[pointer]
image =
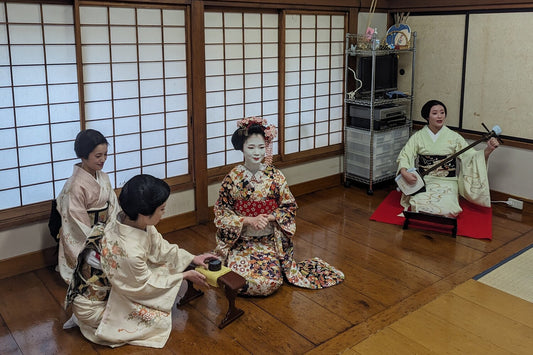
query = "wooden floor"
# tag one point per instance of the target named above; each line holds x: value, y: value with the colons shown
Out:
x: 390, y: 274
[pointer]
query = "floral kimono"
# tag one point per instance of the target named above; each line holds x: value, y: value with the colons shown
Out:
x: 264, y: 257
x: 444, y: 184
x: 145, y: 273
x: 83, y: 203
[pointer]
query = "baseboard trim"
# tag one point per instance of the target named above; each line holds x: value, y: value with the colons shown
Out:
x: 28, y: 262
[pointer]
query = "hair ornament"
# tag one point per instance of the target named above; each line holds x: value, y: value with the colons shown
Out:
x: 269, y: 130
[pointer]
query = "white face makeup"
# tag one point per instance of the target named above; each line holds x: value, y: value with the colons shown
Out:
x: 254, y: 152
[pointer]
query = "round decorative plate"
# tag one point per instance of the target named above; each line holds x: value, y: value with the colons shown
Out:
x: 398, y: 35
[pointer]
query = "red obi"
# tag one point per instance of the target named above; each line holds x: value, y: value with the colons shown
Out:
x: 255, y: 208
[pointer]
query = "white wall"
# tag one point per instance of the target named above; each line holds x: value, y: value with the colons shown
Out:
x: 511, y: 171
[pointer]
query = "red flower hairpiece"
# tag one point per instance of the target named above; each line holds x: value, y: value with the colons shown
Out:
x: 269, y: 130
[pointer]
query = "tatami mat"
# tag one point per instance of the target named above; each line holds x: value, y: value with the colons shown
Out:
x: 513, y: 275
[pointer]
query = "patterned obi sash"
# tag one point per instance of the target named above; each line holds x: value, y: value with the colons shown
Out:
x: 427, y: 161
x: 98, y: 215
x: 255, y: 208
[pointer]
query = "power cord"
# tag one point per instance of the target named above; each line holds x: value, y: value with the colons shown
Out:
x: 351, y: 94
x: 511, y: 202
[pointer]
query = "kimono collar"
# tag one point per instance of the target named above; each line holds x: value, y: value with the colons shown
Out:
x: 79, y: 170
x: 434, y: 136
x: 248, y: 175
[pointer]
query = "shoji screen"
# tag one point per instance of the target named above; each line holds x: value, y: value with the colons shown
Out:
x: 313, y: 81
x: 241, y: 53
x: 39, y: 113
x: 135, y: 85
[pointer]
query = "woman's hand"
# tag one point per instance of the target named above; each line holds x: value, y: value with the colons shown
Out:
x: 195, y: 277
x: 258, y: 222
x: 409, y: 178
x: 201, y: 259
x: 492, y: 144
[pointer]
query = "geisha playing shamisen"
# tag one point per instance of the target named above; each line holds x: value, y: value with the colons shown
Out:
x: 255, y: 219
x: 432, y: 144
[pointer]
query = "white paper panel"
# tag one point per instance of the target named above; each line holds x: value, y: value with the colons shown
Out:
x: 30, y: 95
x: 9, y: 159
x: 57, y: 14
x: 154, y: 156
x: 126, y: 125
x: 152, y: 87
x: 93, y: 15
x: 177, y: 135
x: 64, y: 112
x: 148, y: 16
x: 177, y: 151
x: 31, y: 115
x: 95, y: 54
x: 153, y: 139
x: 38, y: 154
x: 215, y: 145
x: 62, y: 93
x: 29, y: 13
x: 174, y: 17
x: 125, y: 89
x: 38, y: 193
x: 94, y: 34
x: 152, y: 105
x: 122, y: 34
x: 27, y: 54
x: 62, y: 74
x: 121, y: 16
x: 29, y: 75
x: 65, y: 131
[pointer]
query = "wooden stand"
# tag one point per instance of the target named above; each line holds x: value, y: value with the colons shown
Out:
x: 431, y: 218
x: 232, y: 283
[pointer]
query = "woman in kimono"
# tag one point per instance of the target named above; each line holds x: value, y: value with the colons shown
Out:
x: 432, y: 144
x: 145, y: 273
x: 255, y: 219
x: 86, y: 201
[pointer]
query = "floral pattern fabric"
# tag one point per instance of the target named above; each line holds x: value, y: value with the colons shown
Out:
x: 145, y: 273
x: 264, y: 259
x: 84, y: 202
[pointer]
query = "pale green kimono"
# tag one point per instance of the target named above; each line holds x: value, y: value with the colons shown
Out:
x: 445, y: 184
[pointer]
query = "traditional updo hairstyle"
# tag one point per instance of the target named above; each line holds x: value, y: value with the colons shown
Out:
x: 143, y: 194
x: 240, y: 135
x: 86, y: 141
x: 426, y: 109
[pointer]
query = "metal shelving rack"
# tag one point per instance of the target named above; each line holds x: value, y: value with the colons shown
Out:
x: 372, y: 102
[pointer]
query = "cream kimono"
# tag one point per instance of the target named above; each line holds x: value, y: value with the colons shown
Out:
x: 264, y: 257
x: 145, y: 273
x: 444, y: 184
x: 83, y: 203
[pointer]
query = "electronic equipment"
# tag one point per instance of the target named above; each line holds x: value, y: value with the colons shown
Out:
x: 386, y: 116
x: 385, y: 74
